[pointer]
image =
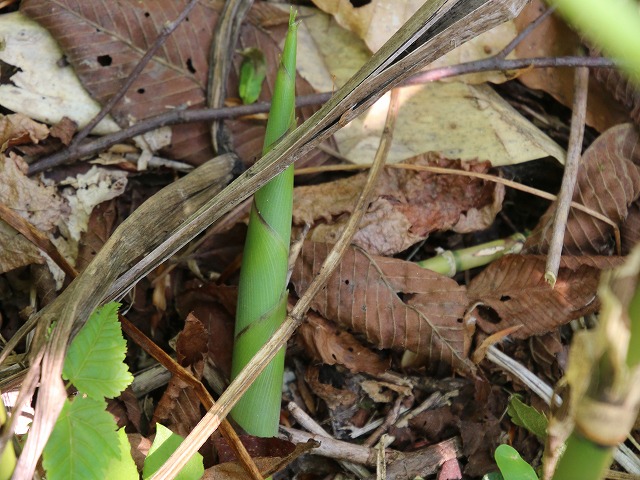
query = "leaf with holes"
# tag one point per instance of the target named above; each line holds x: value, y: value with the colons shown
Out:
x: 512, y: 291
x: 104, y: 41
x: 394, y: 303
x: 609, y: 183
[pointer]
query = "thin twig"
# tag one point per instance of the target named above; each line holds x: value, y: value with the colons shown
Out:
x: 389, y: 420
x: 312, y: 426
x: 211, y: 420
x: 203, y: 395
x: 159, y: 41
x: 525, y: 33
x: 570, y: 175
x: 179, y: 116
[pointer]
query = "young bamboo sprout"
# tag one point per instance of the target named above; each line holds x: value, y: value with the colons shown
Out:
x: 262, y: 294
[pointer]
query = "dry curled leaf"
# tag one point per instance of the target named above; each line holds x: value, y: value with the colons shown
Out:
x: 179, y: 407
x: 331, y: 344
x: 512, y: 291
x: 18, y: 129
x: 609, y: 183
x: 393, y: 303
x: 406, y: 207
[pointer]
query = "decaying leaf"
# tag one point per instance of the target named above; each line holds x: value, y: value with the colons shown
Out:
x: 270, y: 455
x: 513, y: 291
x: 407, y: 206
x: 329, y: 343
x: 17, y: 129
x: 83, y: 193
x: 38, y: 204
x: 393, y: 303
x: 609, y: 183
x: 553, y: 38
x: 179, y: 407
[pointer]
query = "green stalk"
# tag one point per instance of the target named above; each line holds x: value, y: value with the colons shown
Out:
x: 613, y: 377
x: 612, y: 26
x: 450, y: 262
x: 8, y: 456
x: 262, y: 294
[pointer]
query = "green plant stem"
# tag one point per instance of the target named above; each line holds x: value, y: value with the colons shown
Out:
x: 262, y: 295
x: 8, y: 456
x: 583, y: 459
x: 613, y: 26
x: 451, y: 262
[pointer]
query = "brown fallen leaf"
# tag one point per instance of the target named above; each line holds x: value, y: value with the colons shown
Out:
x: 407, y: 206
x: 18, y: 129
x: 109, y: 38
x: 512, y: 291
x: 553, y: 38
x: 270, y: 455
x: 179, y: 407
x: 393, y: 303
x: 609, y: 183
x: 330, y: 344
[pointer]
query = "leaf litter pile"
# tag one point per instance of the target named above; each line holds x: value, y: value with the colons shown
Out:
x: 391, y: 352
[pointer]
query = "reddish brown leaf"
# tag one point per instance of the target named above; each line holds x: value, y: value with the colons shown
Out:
x: 609, y: 183
x: 99, y: 229
x: 330, y: 344
x: 363, y: 295
x: 512, y: 291
x: 335, y: 397
x: 270, y: 455
x: 179, y: 407
x: 407, y: 205
x: 105, y: 40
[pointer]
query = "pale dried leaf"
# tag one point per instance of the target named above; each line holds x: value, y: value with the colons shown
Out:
x: 407, y: 206
x: 512, y: 291
x: 609, y: 183
x: 458, y: 120
x: 363, y: 295
x: 41, y: 88
x: 38, y: 204
x: 15, y: 250
x: 18, y: 129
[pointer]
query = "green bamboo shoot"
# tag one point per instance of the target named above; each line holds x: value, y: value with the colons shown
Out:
x: 262, y: 294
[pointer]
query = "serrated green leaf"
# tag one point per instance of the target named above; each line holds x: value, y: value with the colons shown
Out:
x: 123, y: 468
x: 511, y: 464
x: 252, y: 73
x: 528, y: 417
x: 83, y: 441
x: 95, y: 359
x: 163, y: 446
